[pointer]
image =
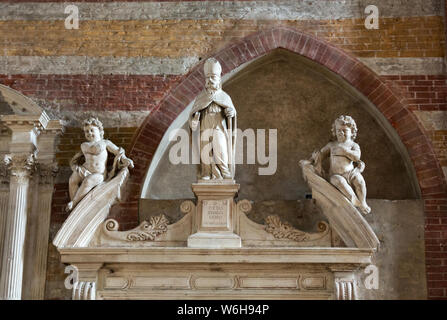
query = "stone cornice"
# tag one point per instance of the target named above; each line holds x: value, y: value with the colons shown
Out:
x: 345, y: 256
x: 17, y: 122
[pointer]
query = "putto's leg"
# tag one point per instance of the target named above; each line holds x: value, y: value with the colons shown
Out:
x: 88, y: 184
x: 360, y: 189
x: 73, y: 184
x: 341, y: 184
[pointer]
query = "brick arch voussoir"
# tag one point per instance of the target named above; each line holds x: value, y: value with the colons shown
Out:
x: 387, y: 100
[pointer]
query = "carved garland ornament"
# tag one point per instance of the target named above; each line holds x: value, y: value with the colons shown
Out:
x: 284, y: 230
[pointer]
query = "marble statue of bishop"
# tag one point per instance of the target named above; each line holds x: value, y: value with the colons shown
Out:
x: 214, y: 114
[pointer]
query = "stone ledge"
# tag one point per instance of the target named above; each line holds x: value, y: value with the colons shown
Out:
x: 239, y: 255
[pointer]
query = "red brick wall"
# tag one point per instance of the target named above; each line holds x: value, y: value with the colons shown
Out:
x: 94, y: 92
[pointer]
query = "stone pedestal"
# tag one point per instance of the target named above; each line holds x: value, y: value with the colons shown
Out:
x: 214, y: 218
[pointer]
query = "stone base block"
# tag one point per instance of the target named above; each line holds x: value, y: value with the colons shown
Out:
x: 214, y: 240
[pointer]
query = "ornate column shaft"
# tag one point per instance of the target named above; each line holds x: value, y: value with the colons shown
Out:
x: 37, y: 246
x: 21, y: 166
x: 38, y: 226
x: 4, y: 200
x: 345, y: 286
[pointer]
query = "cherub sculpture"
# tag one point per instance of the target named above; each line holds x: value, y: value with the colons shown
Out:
x: 93, y: 171
x: 346, y: 168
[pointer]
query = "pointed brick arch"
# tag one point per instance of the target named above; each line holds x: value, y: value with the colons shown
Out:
x: 389, y: 102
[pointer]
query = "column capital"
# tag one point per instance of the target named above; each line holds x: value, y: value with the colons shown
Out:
x: 47, y: 172
x: 4, y: 172
x: 20, y: 165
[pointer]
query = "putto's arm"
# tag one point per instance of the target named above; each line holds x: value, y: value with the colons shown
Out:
x: 74, y: 162
x: 325, y: 151
x: 120, y: 160
x: 353, y: 153
x: 318, y: 156
x: 113, y: 148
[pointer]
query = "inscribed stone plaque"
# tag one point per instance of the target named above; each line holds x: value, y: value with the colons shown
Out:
x: 215, y: 213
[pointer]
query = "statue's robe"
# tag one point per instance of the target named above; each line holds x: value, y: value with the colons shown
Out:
x: 205, y: 103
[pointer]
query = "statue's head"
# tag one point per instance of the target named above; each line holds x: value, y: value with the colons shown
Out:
x: 344, y: 128
x: 213, y: 71
x: 93, y: 129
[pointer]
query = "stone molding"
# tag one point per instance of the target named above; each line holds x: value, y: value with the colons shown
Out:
x: 79, y: 228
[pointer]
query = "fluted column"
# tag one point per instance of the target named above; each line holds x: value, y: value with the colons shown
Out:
x: 21, y: 166
x: 38, y: 246
x: 4, y: 199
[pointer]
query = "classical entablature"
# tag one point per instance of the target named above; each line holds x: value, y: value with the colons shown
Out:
x: 216, y: 251
x: 27, y: 169
x: 161, y: 260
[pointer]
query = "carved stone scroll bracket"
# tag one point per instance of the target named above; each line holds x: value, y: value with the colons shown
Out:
x: 86, y: 218
x: 157, y: 232
x: 188, y: 208
x: 284, y: 230
x: 343, y: 217
x: 276, y: 232
x: 146, y: 231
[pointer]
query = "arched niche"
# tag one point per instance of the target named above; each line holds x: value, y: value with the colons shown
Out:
x: 300, y: 98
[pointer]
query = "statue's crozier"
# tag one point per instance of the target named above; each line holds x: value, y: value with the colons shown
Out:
x: 214, y: 114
